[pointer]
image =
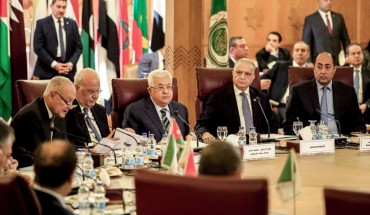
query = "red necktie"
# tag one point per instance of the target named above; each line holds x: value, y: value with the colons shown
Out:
x: 328, y: 23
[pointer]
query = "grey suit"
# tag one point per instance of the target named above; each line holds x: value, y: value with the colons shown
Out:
x: 148, y: 63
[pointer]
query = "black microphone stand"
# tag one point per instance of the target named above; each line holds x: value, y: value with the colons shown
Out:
x: 176, y: 113
x: 258, y: 100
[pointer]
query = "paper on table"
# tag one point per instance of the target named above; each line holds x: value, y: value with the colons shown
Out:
x: 306, y: 133
x: 201, y: 144
x: 126, y: 136
x: 115, y: 144
x: 233, y: 139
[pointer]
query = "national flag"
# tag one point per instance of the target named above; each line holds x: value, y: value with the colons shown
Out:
x: 289, y: 183
x: 186, y: 161
x: 123, y: 36
x: 5, y: 69
x: 140, y: 42
x: 87, y: 35
x: 159, y: 27
x: 218, y: 36
x: 18, y: 55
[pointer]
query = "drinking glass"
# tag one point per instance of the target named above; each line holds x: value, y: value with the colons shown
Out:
x: 222, y: 132
x: 297, y: 126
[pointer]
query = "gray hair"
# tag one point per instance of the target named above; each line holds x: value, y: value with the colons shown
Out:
x: 5, y: 132
x: 57, y: 84
x: 245, y: 60
x: 158, y: 73
x: 80, y: 76
x: 303, y: 43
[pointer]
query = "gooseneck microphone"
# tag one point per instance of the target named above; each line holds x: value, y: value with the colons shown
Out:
x: 329, y: 117
x: 258, y: 100
x: 54, y: 129
x: 176, y: 113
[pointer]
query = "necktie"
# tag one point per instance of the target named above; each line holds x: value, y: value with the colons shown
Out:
x: 165, y: 121
x: 248, y: 119
x: 91, y: 125
x: 61, y: 41
x: 328, y: 23
x: 324, y: 105
x: 357, y: 82
x: 51, y: 126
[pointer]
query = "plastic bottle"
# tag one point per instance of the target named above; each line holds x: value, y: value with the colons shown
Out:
x: 151, y: 146
x: 252, y: 136
x: 144, y: 143
x: 163, y: 143
x: 139, y: 156
x: 88, y: 165
x: 100, y: 200
x: 128, y: 161
x: 83, y: 199
x: 241, y: 135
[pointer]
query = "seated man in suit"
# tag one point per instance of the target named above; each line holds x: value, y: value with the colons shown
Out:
x: 150, y: 62
x: 333, y: 99
x: 88, y: 119
x: 238, y: 49
x: 276, y: 79
x: 220, y: 159
x: 33, y: 122
x: 54, y: 167
x: 272, y: 52
x: 235, y: 105
x: 152, y: 114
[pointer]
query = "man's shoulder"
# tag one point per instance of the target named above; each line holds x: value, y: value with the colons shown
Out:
x: 139, y: 103
x: 262, y: 51
x: 30, y: 110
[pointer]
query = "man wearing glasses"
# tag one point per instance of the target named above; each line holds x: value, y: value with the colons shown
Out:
x: 88, y: 119
x: 33, y: 122
x: 235, y: 105
x: 152, y: 114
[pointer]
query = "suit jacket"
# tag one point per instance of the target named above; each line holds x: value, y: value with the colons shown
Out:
x: 221, y: 110
x: 231, y: 63
x: 148, y: 63
x: 264, y: 58
x: 143, y: 117
x: 77, y: 126
x: 304, y: 101
x: 32, y: 127
x: 317, y: 36
x: 279, y: 76
x: 51, y: 205
x: 46, y: 45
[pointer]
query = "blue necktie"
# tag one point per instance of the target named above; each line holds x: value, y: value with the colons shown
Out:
x: 248, y: 119
x: 324, y: 105
x: 61, y: 42
x: 91, y: 125
x: 357, y: 82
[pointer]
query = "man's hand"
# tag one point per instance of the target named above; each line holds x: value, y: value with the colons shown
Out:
x: 208, y: 137
x: 62, y: 68
x: 269, y: 48
x: 363, y: 108
x: 265, y: 84
x: 130, y: 130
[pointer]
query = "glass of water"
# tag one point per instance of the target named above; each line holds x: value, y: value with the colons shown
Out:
x: 222, y: 132
x: 297, y: 126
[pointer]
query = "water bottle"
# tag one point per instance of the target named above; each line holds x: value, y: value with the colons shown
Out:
x: 252, y: 136
x: 163, y: 143
x: 144, y: 143
x: 100, y: 200
x: 88, y: 165
x: 139, y: 156
x: 151, y: 146
x: 241, y: 135
x: 128, y: 160
x: 83, y: 199
x: 80, y: 154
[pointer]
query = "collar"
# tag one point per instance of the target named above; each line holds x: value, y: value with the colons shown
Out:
x: 232, y: 58
x: 238, y: 91
x: 50, y: 114
x: 159, y: 108
x: 330, y: 85
x: 297, y: 65
x: 58, y: 196
x: 358, y: 68
x: 56, y: 20
x: 323, y: 14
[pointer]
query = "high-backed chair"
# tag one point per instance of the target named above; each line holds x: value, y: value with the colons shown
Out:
x: 300, y: 74
x: 210, y: 80
x: 341, y: 202
x: 29, y: 90
x: 127, y: 91
x: 184, y: 195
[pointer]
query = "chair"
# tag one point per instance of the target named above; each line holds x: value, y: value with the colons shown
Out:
x: 300, y: 74
x: 163, y: 194
x: 338, y: 202
x: 210, y: 80
x: 127, y: 91
x: 17, y: 197
x: 29, y: 90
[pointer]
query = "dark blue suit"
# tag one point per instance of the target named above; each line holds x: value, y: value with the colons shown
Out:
x: 51, y: 205
x: 148, y: 63
x: 264, y: 58
x: 46, y: 45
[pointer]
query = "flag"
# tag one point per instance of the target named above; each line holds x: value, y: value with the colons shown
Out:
x: 140, y: 43
x: 158, y: 29
x: 18, y: 55
x: 5, y: 75
x: 87, y: 35
x: 218, y: 36
x: 186, y: 161
x: 289, y: 183
x: 123, y: 36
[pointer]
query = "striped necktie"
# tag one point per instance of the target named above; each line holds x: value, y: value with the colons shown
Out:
x: 91, y: 125
x: 165, y: 121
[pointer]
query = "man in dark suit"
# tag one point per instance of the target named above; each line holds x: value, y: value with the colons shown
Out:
x: 57, y: 44
x: 150, y: 62
x: 325, y: 31
x: 229, y: 105
x: 33, y: 122
x: 54, y: 167
x: 152, y: 114
x: 238, y: 49
x: 272, y: 52
x: 88, y: 119
x: 333, y: 98
x: 361, y: 78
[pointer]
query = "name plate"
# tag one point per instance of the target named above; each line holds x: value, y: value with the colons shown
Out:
x: 310, y: 147
x: 365, y: 144
x: 259, y: 151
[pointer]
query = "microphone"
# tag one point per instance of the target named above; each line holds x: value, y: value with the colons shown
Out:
x: 336, y: 121
x: 258, y: 100
x: 176, y: 113
x: 82, y: 171
x: 85, y: 140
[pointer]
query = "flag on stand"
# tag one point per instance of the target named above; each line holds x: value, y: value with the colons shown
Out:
x: 289, y: 183
x: 159, y: 27
x: 218, y: 36
x: 73, y: 13
x: 87, y: 35
x: 5, y: 75
x: 186, y: 161
x: 140, y: 42
x: 123, y: 36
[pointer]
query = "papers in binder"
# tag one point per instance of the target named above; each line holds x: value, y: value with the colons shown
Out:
x: 115, y: 144
x: 126, y: 136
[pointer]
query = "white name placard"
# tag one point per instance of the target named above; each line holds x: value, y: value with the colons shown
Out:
x: 365, y: 144
x: 310, y: 147
x: 259, y: 151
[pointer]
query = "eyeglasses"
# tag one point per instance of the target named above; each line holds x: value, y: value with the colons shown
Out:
x: 91, y: 92
x: 247, y: 74
x: 162, y: 88
x: 68, y: 103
